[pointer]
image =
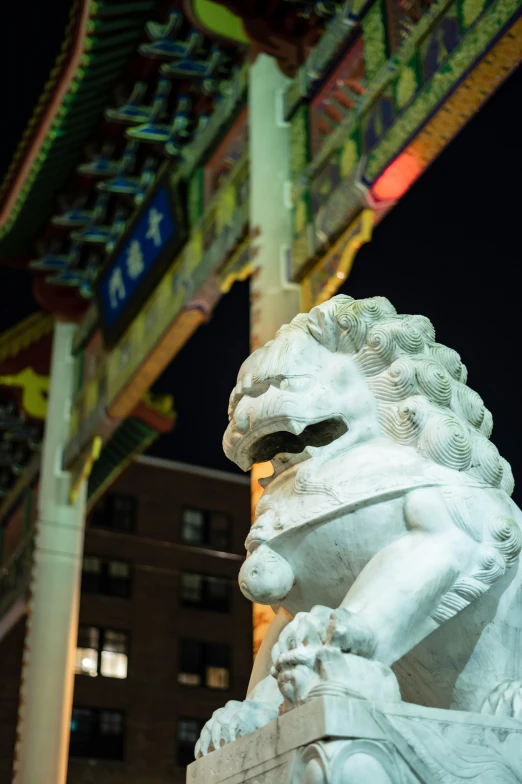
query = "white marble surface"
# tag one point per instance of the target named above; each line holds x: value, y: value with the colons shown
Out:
x: 386, y: 537
x: 340, y: 740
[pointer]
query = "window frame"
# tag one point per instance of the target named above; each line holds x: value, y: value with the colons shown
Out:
x: 102, y: 633
x: 207, y: 528
x: 204, y: 603
x: 205, y: 664
x: 95, y: 735
x: 103, y: 513
x: 201, y: 722
x: 104, y: 578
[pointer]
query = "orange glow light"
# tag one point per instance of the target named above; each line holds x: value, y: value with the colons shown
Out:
x: 397, y: 178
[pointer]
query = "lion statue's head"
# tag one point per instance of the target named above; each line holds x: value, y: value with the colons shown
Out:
x: 351, y: 371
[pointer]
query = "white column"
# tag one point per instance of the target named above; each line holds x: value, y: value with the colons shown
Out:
x: 273, y: 300
x: 46, y: 691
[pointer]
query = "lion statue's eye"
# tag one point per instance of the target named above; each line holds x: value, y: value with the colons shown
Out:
x: 295, y: 383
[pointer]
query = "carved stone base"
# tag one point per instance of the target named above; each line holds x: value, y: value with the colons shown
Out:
x: 343, y: 740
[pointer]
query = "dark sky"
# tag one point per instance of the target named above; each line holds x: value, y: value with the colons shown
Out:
x: 31, y: 36
x: 450, y: 250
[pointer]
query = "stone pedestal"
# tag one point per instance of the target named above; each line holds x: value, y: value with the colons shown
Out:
x: 344, y: 740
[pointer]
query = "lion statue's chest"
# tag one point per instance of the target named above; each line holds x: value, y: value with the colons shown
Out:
x: 327, y: 557
x: 328, y: 521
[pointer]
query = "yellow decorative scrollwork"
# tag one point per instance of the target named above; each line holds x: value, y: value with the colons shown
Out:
x: 333, y: 269
x: 35, y: 389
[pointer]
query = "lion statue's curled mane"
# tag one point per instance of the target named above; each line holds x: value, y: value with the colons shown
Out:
x: 419, y: 385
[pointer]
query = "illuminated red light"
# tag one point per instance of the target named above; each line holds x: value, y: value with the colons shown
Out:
x: 396, y: 178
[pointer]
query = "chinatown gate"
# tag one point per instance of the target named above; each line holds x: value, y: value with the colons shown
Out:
x: 178, y: 148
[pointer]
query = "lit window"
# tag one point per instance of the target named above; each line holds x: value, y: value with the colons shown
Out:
x: 217, y: 677
x: 206, y: 528
x: 189, y: 731
x: 87, y: 651
x: 217, y: 666
x: 192, y: 663
x: 97, y: 734
x: 114, y: 657
x: 189, y: 679
x: 204, y: 664
x: 101, y: 652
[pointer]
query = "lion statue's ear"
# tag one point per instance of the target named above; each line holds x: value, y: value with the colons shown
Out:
x: 322, y: 324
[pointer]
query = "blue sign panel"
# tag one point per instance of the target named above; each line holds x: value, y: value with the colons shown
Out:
x: 138, y: 263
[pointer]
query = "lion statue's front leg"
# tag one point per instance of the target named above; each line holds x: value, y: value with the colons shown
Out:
x: 389, y: 608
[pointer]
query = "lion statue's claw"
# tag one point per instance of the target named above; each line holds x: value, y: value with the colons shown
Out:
x: 233, y: 721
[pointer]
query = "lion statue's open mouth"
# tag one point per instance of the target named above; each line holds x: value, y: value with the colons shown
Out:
x: 318, y: 434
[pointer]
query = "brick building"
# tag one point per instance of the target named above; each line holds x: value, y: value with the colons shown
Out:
x: 165, y: 636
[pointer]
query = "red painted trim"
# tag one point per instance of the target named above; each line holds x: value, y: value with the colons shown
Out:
x: 154, y: 419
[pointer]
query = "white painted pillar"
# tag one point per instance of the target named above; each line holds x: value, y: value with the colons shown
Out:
x: 273, y: 301
x: 46, y: 691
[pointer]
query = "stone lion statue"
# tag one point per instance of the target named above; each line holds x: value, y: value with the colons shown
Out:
x: 386, y: 536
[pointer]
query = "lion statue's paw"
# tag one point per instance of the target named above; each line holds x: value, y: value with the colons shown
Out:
x: 330, y: 650
x: 233, y: 721
x: 323, y: 626
x: 505, y: 700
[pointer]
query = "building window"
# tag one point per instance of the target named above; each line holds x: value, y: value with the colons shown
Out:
x: 219, y: 530
x: 111, y: 578
x: 98, y: 734
x: 204, y: 528
x: 114, y: 655
x: 102, y: 652
x: 116, y: 512
x: 204, y: 664
x: 205, y: 592
x: 194, y: 526
x: 87, y: 651
x: 189, y: 731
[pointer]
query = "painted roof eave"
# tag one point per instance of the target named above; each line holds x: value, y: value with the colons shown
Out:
x: 57, y: 87
x: 50, y: 148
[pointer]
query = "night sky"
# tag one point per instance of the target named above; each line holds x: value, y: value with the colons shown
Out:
x: 450, y: 250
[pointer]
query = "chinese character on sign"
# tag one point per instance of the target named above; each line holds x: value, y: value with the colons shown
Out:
x: 153, y: 232
x: 116, y: 287
x: 135, y: 260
